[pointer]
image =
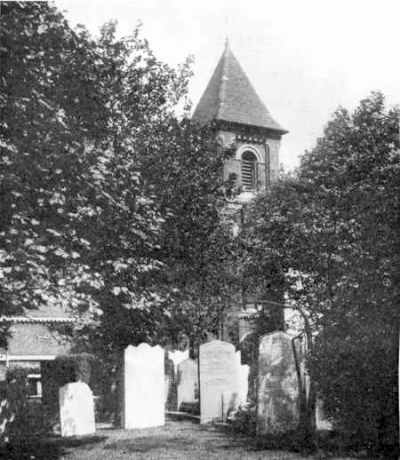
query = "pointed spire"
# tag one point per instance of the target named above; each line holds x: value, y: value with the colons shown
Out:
x: 226, y: 44
x: 230, y: 97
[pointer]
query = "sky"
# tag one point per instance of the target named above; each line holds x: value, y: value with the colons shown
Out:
x: 304, y: 58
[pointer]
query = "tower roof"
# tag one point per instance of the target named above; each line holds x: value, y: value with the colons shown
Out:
x: 230, y: 97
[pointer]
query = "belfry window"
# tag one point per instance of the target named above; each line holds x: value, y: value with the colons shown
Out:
x: 249, y: 170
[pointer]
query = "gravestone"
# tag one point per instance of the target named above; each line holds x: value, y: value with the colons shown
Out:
x: 188, y: 382
x: 278, y: 393
x: 321, y: 421
x: 76, y: 410
x: 219, y: 376
x: 243, y: 380
x: 144, y: 386
x: 170, y: 384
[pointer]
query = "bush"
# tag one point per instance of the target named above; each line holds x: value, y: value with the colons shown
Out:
x: 357, y: 379
x: 244, y: 419
x: 73, y: 368
x: 57, y: 373
x: 19, y: 416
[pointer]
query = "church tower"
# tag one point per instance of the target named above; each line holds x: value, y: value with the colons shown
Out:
x: 245, y: 126
x: 242, y: 121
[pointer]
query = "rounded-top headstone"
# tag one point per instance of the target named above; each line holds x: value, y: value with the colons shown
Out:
x: 76, y: 410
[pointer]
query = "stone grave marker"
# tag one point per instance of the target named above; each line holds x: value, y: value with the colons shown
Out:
x: 188, y: 382
x: 76, y: 410
x: 218, y: 380
x: 170, y: 384
x: 243, y: 380
x: 278, y: 393
x: 321, y: 421
x: 144, y: 386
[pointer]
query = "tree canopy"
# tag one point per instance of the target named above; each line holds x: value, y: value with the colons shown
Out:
x: 110, y: 195
x: 330, y: 232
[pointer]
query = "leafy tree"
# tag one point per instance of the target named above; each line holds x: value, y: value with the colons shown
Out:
x: 331, y: 230
x: 109, y: 200
x: 76, y: 226
x: 49, y: 105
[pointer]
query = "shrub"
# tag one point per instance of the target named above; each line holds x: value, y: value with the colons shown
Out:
x: 357, y: 379
x: 57, y: 373
x: 244, y: 419
x: 19, y: 416
x: 73, y: 368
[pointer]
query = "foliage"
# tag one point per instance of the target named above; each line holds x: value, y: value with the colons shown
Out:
x: 184, y: 250
x: 73, y: 368
x: 331, y: 231
x: 49, y: 105
x: 244, y: 420
x: 19, y: 416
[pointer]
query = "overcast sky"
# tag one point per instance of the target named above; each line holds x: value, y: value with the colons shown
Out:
x: 304, y: 58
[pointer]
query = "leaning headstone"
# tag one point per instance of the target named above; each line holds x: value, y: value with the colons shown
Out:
x: 278, y: 393
x: 144, y: 386
x: 218, y: 380
x: 76, y: 410
x: 188, y: 382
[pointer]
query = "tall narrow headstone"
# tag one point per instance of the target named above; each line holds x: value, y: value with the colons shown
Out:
x: 170, y: 384
x: 188, y: 382
x: 219, y: 378
x: 76, y: 410
x: 243, y: 380
x: 144, y: 386
x: 278, y: 393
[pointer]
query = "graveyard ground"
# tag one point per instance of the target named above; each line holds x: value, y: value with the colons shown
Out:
x: 177, y: 440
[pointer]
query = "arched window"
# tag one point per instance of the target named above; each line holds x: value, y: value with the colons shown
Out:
x: 249, y: 170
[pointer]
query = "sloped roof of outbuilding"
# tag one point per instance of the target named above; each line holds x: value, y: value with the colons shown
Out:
x: 230, y: 97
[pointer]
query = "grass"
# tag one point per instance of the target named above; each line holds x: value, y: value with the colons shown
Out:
x: 177, y: 440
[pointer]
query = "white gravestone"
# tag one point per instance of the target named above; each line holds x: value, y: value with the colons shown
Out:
x: 76, y: 410
x: 218, y: 380
x: 243, y: 380
x: 188, y: 382
x: 144, y: 386
x: 278, y: 393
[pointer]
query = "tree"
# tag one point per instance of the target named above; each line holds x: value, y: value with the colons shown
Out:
x: 76, y: 226
x: 145, y: 203
x: 49, y: 106
x: 331, y: 230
